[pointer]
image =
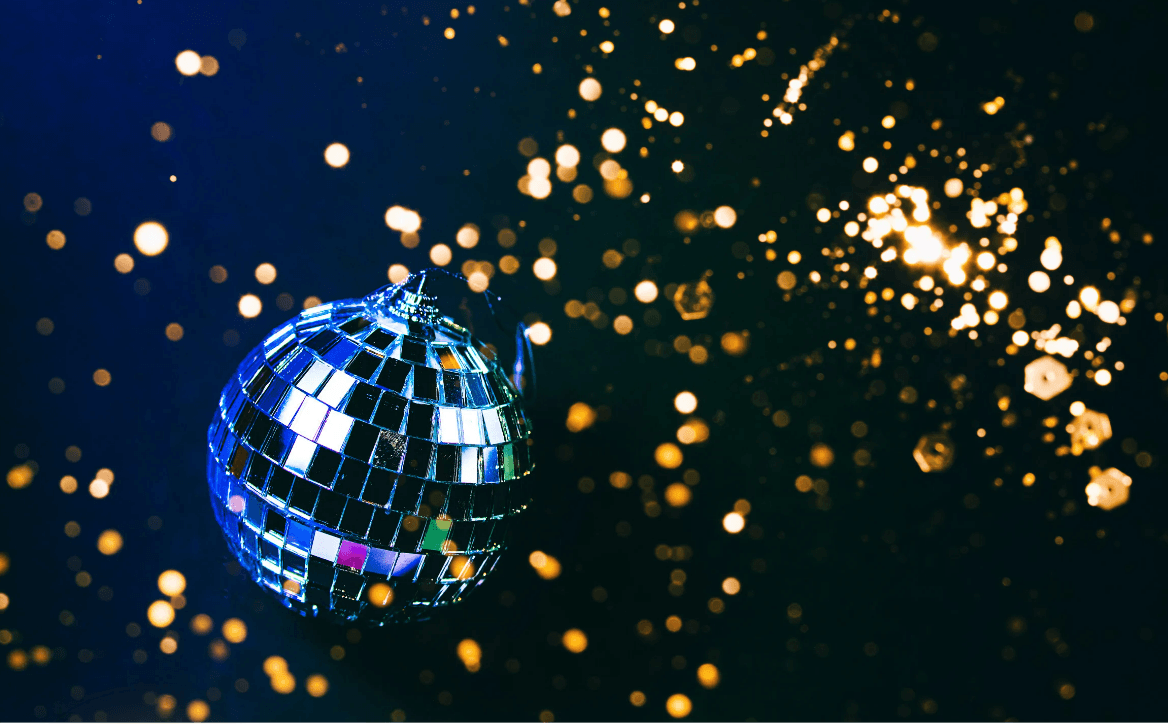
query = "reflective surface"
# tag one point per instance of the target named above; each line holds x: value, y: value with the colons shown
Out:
x: 364, y: 442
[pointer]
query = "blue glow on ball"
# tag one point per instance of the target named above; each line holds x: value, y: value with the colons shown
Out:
x: 369, y: 441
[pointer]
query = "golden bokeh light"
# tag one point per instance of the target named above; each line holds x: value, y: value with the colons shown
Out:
x: 234, y: 630
x: 685, y: 402
x: 575, y: 640
x: 160, y: 614
x: 172, y: 583
x: 208, y: 65
x: 55, y: 239
x: 109, y: 542
x: 546, y: 566
x: 539, y: 333
x: 470, y: 654
x: 613, y: 140
x: 467, y: 236
x: 668, y: 455
x: 708, y: 676
x: 151, y: 238
x: 733, y: 522
x: 679, y: 706
x: 398, y: 273
x: 250, y: 305
x: 590, y: 89
x: 316, y: 685
x: 188, y: 62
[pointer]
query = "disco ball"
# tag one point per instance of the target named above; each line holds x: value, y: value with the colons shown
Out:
x: 367, y: 458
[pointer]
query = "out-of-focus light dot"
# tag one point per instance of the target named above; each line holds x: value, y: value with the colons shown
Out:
x: 402, y: 219
x: 575, y: 640
x: 686, y: 63
x: 101, y: 377
x: 623, y: 324
x: 731, y: 586
x: 1039, y: 281
x: 613, y: 141
x: 188, y: 62
x: 637, y: 698
x: 1020, y: 338
x: 283, y: 683
x: 55, y: 239
x: 1078, y: 408
x: 538, y: 168
x: 708, y: 676
x: 201, y: 624
x: 540, y: 187
x: 478, y: 281
x: 668, y: 455
x: 234, y: 630
x: 274, y: 665
x: 161, y: 131
x: 985, y: 261
x: 20, y: 476
x: 685, y: 402
x: 666, y: 26
x: 677, y: 166
x: 312, y: 301
x: 1102, y: 378
x: 954, y: 187
x: 871, y: 164
x: 678, y: 495
x: 794, y: 257
x: 787, y: 280
x: 151, y: 238
x: 448, y: 33
x: 398, y: 273
x: 1108, y: 312
x: 217, y: 273
x: 470, y: 653
x: 168, y: 645
x: 725, y: 217
x: 109, y: 542
x: 160, y: 614
x: 380, y: 594
x: 567, y: 155
x: 99, y: 488
x: 847, y: 141
x: 174, y: 331
x: 888, y: 121
x: 544, y: 268
x: 316, y: 685
x: 68, y: 485
x: 590, y: 89
x: 172, y: 583
x: 676, y: 118
x: 250, y: 305
x: 441, y: 254
x: 998, y: 300
x: 265, y: 273
x: 679, y: 706
x: 645, y: 291
x: 336, y: 154
x: 733, y: 522
x: 198, y: 710
x: 548, y: 567
x: 467, y: 236
x: 607, y: 46
x: 539, y: 333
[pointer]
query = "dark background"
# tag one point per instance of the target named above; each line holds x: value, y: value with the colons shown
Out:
x: 906, y: 561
